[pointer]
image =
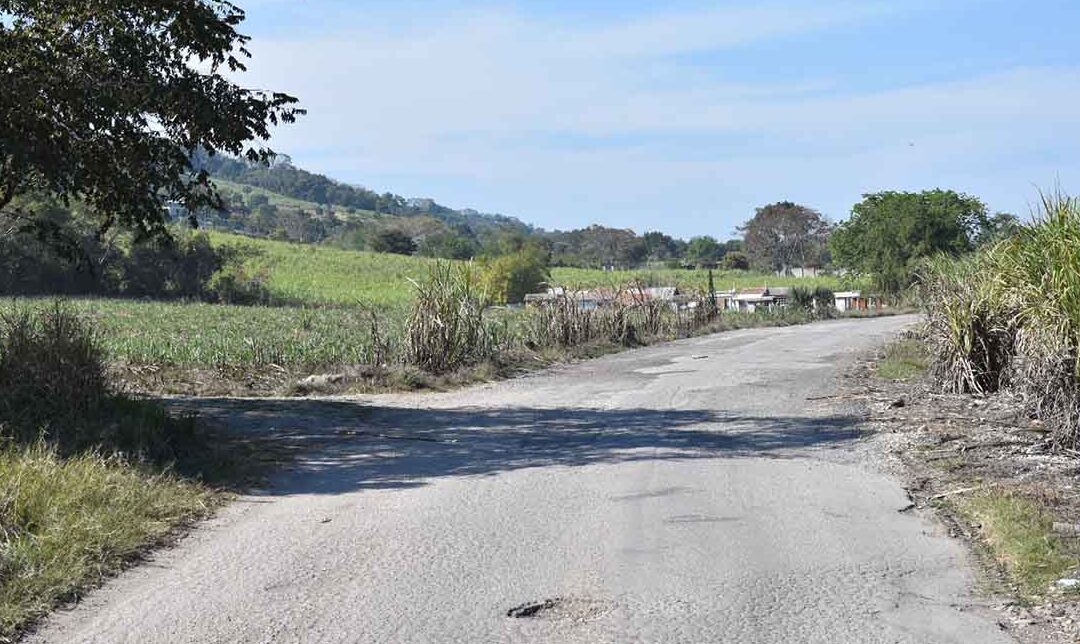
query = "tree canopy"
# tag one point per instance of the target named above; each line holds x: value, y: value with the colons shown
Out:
x: 106, y: 100
x: 998, y: 226
x: 597, y: 246
x: 786, y: 235
x: 888, y: 232
x: 659, y: 246
x: 704, y: 251
x: 392, y: 240
x: 508, y: 278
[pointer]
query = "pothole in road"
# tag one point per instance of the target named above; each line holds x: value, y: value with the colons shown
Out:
x: 532, y: 609
x: 562, y: 608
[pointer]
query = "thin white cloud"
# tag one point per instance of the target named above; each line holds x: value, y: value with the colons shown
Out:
x: 556, y: 123
x: 703, y: 30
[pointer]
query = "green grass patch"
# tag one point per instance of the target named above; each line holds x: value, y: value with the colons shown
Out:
x: 694, y: 279
x: 903, y: 360
x: 312, y: 274
x: 196, y: 334
x: 1018, y: 532
x: 68, y: 523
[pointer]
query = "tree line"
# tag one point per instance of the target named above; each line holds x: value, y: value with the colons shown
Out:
x: 885, y: 236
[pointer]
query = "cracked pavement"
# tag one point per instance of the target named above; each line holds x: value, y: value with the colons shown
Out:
x: 695, y: 491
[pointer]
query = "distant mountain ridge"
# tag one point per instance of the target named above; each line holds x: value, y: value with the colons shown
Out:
x: 284, y: 178
x: 282, y: 201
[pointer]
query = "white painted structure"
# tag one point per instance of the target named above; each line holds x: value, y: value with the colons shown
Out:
x: 847, y: 300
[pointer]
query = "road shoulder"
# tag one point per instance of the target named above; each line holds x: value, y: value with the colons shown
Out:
x: 984, y: 471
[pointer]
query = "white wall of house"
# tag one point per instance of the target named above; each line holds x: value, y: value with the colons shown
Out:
x: 845, y: 300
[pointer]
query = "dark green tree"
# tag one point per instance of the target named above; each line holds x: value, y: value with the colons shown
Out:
x: 659, y: 246
x: 392, y: 240
x: 448, y: 245
x: 889, y: 232
x: 735, y: 260
x: 703, y: 251
x: 998, y: 226
x: 106, y: 101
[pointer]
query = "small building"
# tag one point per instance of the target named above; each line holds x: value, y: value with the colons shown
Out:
x: 849, y: 301
x: 549, y: 295
x: 752, y: 299
x: 724, y: 299
x: 586, y: 300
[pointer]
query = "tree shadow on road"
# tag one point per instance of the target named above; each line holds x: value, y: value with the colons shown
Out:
x: 342, y: 446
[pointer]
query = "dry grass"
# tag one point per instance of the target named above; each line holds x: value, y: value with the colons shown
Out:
x: 88, y: 478
x: 1009, y: 317
x: 66, y: 523
x: 447, y: 328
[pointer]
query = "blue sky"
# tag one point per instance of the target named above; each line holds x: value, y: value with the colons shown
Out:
x: 677, y: 116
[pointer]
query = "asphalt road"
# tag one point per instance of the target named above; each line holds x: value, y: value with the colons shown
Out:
x: 698, y: 491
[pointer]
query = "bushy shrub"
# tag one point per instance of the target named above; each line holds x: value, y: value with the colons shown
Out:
x: 970, y: 329
x: 508, y: 278
x: 735, y: 260
x: 54, y: 388
x: 560, y: 323
x: 392, y: 240
x: 179, y: 266
x: 237, y: 281
x: 824, y: 302
x: 52, y: 374
x: 802, y: 297
x: 236, y: 284
x: 818, y: 302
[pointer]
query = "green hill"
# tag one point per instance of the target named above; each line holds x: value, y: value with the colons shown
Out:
x: 314, y: 274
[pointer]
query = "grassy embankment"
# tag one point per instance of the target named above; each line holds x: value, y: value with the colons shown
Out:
x: 1007, y: 319
x: 89, y: 478
x: 67, y: 523
x: 1017, y: 528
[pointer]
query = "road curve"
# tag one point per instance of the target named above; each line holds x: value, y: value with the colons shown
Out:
x: 696, y: 491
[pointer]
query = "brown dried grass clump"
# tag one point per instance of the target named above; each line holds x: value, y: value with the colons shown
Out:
x: 446, y: 328
x: 1009, y: 317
